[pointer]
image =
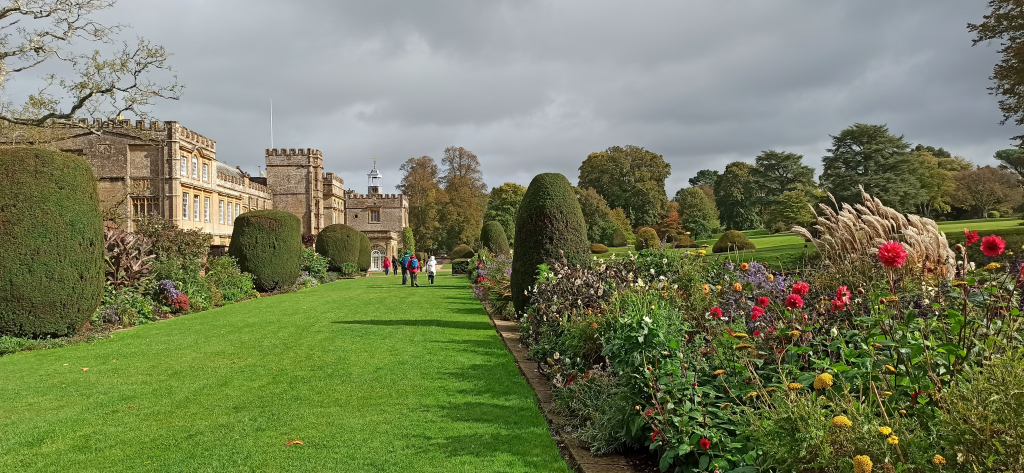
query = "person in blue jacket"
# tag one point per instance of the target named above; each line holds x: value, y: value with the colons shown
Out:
x: 414, y: 267
x: 405, y: 267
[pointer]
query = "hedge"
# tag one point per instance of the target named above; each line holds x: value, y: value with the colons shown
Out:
x: 492, y: 237
x: 408, y: 239
x: 51, y: 243
x: 341, y: 244
x: 549, y: 225
x: 462, y: 251
x: 268, y: 245
x: 732, y: 240
x: 684, y: 241
x: 598, y: 249
x: 460, y: 266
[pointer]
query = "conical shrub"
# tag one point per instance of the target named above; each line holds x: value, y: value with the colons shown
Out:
x: 51, y: 243
x: 268, y: 245
x: 733, y: 240
x: 492, y: 237
x: 549, y: 224
x: 342, y: 244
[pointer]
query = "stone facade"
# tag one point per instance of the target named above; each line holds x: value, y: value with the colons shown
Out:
x: 380, y: 216
x: 296, y: 179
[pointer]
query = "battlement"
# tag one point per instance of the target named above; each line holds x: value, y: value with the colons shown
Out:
x: 152, y: 126
x: 351, y: 194
x: 294, y: 152
x: 232, y: 179
x: 259, y: 187
x: 195, y: 137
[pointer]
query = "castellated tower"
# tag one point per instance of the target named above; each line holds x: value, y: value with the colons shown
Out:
x: 296, y: 179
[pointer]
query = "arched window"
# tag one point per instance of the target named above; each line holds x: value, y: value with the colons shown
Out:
x: 376, y: 259
x: 195, y: 167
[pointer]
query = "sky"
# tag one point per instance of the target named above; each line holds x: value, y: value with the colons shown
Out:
x: 535, y: 86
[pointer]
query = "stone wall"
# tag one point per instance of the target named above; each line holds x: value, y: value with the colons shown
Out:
x: 296, y: 179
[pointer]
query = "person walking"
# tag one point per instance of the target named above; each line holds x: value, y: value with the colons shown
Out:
x: 431, y: 269
x: 394, y: 265
x: 414, y: 267
x: 405, y: 267
x: 386, y: 264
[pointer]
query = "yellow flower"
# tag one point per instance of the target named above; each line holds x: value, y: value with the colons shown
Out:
x: 795, y: 386
x: 744, y: 266
x: 593, y: 325
x: 769, y: 390
x: 890, y: 368
x: 993, y: 266
x: 740, y: 335
x: 701, y: 253
x: 876, y: 345
x: 824, y: 380
x: 726, y: 406
x: 719, y: 372
x: 862, y: 464
x: 884, y: 430
x: 903, y: 412
x: 752, y: 394
x: 960, y: 283
x: 841, y: 422
x: 718, y: 288
x: 938, y: 460
x: 771, y: 277
x: 893, y: 440
x: 742, y: 346
x: 886, y: 393
x: 794, y: 333
x: 737, y: 287
x: 707, y: 288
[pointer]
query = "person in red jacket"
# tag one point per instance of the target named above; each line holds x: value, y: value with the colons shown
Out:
x: 414, y: 267
x: 386, y: 264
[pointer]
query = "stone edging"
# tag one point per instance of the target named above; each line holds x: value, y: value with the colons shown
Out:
x: 578, y: 457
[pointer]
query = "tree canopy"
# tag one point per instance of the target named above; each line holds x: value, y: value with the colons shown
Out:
x: 1005, y: 22
x: 467, y: 197
x: 869, y: 155
x: 630, y: 177
x: 697, y: 213
x: 426, y: 199
x: 502, y: 205
x: 734, y: 197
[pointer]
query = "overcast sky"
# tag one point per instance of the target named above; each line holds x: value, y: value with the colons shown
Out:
x: 535, y: 86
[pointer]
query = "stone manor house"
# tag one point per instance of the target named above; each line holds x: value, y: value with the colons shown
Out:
x: 164, y: 169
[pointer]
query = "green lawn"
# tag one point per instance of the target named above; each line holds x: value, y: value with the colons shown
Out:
x: 370, y: 375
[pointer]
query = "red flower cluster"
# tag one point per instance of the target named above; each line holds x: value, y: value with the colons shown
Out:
x: 654, y: 436
x: 801, y: 288
x: 992, y: 246
x: 716, y: 312
x: 842, y: 299
x: 763, y: 301
x: 180, y: 303
x: 971, y: 237
x: 892, y: 254
x: 794, y: 301
x: 756, y: 312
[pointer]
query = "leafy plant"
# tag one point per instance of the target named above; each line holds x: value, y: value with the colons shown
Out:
x: 314, y: 265
x: 128, y: 257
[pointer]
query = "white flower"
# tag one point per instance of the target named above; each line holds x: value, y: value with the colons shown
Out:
x: 675, y: 286
x: 639, y: 282
x: 833, y: 332
x: 665, y: 260
x: 646, y: 318
x: 594, y: 258
x: 652, y: 271
x: 556, y: 355
x: 661, y: 278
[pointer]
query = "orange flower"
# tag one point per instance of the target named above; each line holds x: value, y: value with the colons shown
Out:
x: 744, y: 266
x: 737, y: 287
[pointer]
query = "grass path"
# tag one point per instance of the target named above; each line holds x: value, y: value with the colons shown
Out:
x: 370, y: 375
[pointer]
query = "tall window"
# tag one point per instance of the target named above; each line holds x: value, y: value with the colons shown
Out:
x: 237, y: 210
x: 375, y: 216
x: 206, y: 209
x: 144, y: 206
x: 230, y: 218
x: 195, y: 208
x: 184, y: 205
x: 195, y: 167
x: 206, y: 172
x: 184, y: 166
x: 220, y: 212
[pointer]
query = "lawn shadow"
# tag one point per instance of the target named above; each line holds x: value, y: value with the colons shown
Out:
x: 421, y: 323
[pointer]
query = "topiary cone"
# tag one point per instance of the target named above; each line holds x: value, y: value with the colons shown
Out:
x: 342, y: 244
x: 268, y: 245
x: 51, y: 243
x: 492, y: 237
x: 548, y: 224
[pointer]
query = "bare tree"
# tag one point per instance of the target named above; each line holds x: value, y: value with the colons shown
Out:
x: 57, y: 39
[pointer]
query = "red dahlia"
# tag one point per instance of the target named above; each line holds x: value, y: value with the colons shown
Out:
x: 716, y: 312
x: 801, y: 288
x: 756, y: 312
x: 843, y: 295
x: 992, y: 245
x: 971, y: 237
x: 794, y: 301
x: 892, y: 254
x: 763, y: 301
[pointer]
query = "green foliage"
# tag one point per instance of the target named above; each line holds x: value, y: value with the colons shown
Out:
x: 683, y: 241
x: 1012, y: 160
x: 704, y: 177
x: 1003, y: 23
x: 735, y: 197
x: 732, y: 240
x: 341, y: 244
x: 423, y: 261
x: 168, y: 241
x: 408, y: 240
x: 315, y: 265
x: 787, y: 210
x: 460, y: 266
x: 502, y: 206
x: 124, y: 306
x: 994, y: 214
x: 984, y: 188
x: 982, y: 415
x: 493, y: 237
x: 778, y: 172
x: 549, y: 225
x: 462, y: 252
x: 364, y: 260
x: 462, y: 213
x: 228, y: 284
x: 618, y: 239
x: 51, y: 243
x: 268, y: 245
x: 349, y: 270
x: 598, y: 249
x: 188, y: 280
x: 419, y: 185
x: 647, y: 239
x: 869, y: 155
x: 631, y: 178
x: 698, y: 213
x: 596, y: 213
x: 10, y: 345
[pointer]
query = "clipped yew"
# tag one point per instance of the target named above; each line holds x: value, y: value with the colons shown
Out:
x: 647, y: 239
x: 492, y: 237
x: 619, y: 238
x: 268, y: 245
x: 51, y: 243
x: 549, y: 225
x: 732, y: 240
x: 598, y: 249
x: 462, y: 251
x: 342, y: 244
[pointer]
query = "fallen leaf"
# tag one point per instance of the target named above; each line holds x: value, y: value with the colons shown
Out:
x: 294, y: 442
x: 85, y: 369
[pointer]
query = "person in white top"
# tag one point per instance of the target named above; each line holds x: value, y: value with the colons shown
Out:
x: 431, y: 269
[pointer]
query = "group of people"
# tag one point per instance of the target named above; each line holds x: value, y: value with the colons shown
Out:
x: 410, y: 268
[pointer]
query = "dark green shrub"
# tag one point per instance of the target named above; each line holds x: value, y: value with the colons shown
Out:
x: 51, y: 243
x: 684, y: 241
x: 981, y: 416
x: 364, y: 254
x: 647, y: 239
x: 460, y: 266
x: 408, y: 240
x: 168, y: 241
x: 268, y: 245
x: 342, y: 244
x: 462, y: 252
x: 227, y: 283
x: 423, y: 261
x: 549, y: 225
x: 732, y: 240
x: 994, y: 214
x: 618, y: 238
x: 492, y: 237
x: 598, y: 249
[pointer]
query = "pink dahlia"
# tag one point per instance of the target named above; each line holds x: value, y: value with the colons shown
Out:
x: 892, y: 254
x: 993, y: 245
